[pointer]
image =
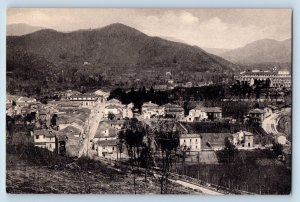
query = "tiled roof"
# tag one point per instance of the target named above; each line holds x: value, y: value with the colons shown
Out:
x: 108, y: 142
x: 192, y: 135
x: 48, y: 133
x: 256, y: 111
x: 209, y: 109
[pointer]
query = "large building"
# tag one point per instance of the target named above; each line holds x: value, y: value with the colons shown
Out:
x: 204, y: 113
x: 86, y: 100
x: 277, y: 78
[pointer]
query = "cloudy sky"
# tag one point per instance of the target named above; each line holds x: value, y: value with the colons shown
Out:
x: 210, y: 28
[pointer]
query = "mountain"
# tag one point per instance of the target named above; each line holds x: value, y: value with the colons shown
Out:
x: 113, y: 51
x: 261, y: 51
x: 216, y: 51
x: 21, y: 29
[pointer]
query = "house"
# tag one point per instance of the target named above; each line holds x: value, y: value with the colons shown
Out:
x: 106, y: 134
x: 85, y: 100
x: 44, y: 139
x: 71, y: 130
x: 204, y: 113
x: 102, y: 95
x: 190, y: 142
x: 150, y: 110
x: 113, y: 109
x: 243, y: 139
x: 25, y: 101
x: 173, y: 110
x: 256, y: 115
x: 107, y: 148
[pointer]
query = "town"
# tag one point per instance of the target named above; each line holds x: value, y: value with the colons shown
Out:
x: 100, y: 125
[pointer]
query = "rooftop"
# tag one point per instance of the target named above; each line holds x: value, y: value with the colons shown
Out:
x: 209, y: 109
x: 256, y: 111
x: 107, y: 142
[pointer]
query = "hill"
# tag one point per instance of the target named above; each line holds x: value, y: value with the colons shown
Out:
x: 114, y: 52
x: 261, y: 51
x: 21, y: 29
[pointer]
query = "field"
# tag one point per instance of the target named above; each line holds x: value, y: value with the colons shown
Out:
x: 52, y: 174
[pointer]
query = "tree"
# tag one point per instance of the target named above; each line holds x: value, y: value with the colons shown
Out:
x: 167, y: 138
x: 132, y: 136
x: 277, y: 149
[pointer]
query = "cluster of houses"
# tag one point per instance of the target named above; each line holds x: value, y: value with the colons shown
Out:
x: 72, y: 114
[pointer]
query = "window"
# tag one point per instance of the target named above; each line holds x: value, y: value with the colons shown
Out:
x: 196, y: 140
x: 113, y: 148
x: 50, y: 145
x: 37, y: 137
x: 196, y: 146
x: 190, y: 140
x: 184, y: 141
x: 44, y: 136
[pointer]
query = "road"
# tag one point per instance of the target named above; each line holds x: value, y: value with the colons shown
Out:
x: 197, y: 187
x: 270, y: 123
x: 95, y: 117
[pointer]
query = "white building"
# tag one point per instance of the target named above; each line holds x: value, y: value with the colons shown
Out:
x: 202, y: 113
x: 86, y: 100
x: 107, y: 148
x: 243, y: 139
x: 191, y: 142
x: 44, y: 139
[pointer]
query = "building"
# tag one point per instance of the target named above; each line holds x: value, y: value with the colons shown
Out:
x: 256, y: 115
x: 85, y: 100
x: 152, y: 110
x: 276, y: 78
x: 102, y: 96
x: 204, y: 113
x: 107, y: 148
x: 25, y: 101
x: 190, y: 142
x: 115, y: 110
x: 243, y: 139
x: 173, y: 110
x: 44, y: 138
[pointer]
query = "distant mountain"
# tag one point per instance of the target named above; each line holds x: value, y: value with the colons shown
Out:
x: 261, y: 51
x: 115, y: 49
x: 216, y: 51
x: 21, y: 29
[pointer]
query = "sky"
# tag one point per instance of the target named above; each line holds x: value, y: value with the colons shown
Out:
x: 206, y: 28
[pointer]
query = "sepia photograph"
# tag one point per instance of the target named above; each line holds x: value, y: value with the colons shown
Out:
x: 148, y: 101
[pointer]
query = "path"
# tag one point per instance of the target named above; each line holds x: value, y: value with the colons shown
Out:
x: 197, y: 187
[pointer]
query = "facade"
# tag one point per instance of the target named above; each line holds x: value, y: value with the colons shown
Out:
x: 256, y: 115
x: 243, y: 139
x: 204, y: 113
x: 107, y: 148
x: 86, y: 100
x: 173, y: 110
x: 190, y: 142
x: 280, y: 78
x: 44, y: 139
